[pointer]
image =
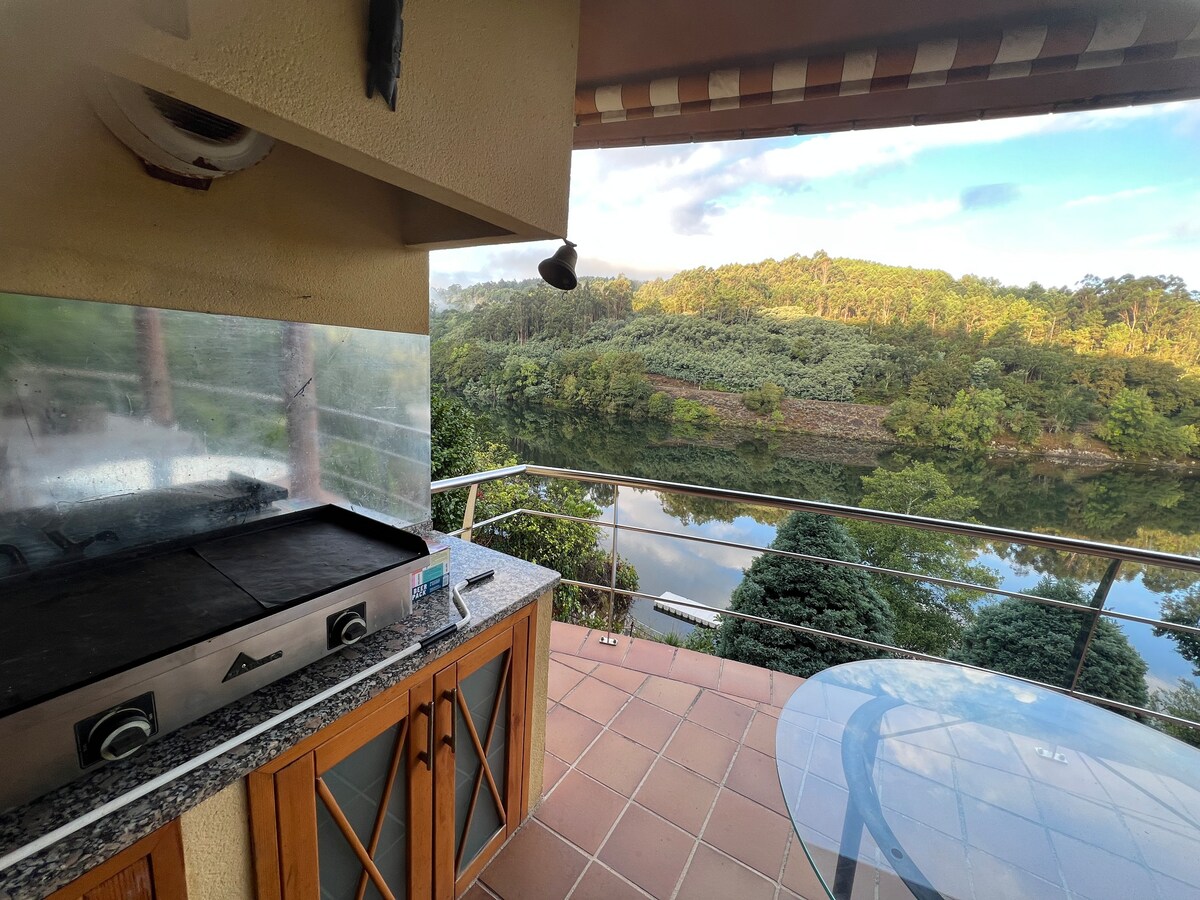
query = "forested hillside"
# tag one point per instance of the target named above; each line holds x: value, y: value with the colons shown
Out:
x: 964, y: 363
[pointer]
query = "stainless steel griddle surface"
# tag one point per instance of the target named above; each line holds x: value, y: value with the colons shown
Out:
x: 63, y: 632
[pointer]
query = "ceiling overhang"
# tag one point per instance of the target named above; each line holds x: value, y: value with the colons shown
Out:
x: 717, y: 70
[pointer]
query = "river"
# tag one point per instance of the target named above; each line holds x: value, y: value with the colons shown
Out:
x: 1122, y: 504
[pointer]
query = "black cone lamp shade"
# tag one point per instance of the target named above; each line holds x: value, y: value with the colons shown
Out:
x: 559, y: 270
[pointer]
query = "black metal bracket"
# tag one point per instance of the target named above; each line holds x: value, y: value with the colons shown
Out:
x: 385, y: 35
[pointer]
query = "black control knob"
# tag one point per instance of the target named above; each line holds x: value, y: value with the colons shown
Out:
x: 121, y: 733
x: 349, y: 628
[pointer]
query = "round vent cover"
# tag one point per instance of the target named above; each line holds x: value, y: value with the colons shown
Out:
x: 172, y: 135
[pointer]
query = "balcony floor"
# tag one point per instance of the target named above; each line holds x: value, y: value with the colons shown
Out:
x: 660, y: 782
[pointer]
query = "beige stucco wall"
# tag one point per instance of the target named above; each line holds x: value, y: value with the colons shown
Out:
x: 541, y: 679
x: 216, y: 847
x: 485, y: 106
x: 315, y: 232
x: 297, y: 237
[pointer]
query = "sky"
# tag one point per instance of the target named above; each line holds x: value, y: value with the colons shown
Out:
x: 1040, y: 198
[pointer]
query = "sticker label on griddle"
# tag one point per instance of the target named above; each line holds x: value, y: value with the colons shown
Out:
x: 430, y: 579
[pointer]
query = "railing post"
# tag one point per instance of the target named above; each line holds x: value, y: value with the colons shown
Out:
x: 612, y: 575
x: 469, y: 512
x: 1087, y: 632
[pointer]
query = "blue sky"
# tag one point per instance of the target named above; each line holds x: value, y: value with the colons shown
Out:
x: 1040, y: 198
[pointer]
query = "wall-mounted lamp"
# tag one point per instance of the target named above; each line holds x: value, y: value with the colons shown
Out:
x: 559, y: 270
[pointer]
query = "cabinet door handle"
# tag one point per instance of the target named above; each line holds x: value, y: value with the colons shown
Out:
x: 426, y: 757
x: 452, y: 696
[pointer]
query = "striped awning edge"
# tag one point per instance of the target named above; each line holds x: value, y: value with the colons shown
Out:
x: 1121, y: 40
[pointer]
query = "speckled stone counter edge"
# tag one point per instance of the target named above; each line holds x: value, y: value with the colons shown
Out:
x: 516, y: 584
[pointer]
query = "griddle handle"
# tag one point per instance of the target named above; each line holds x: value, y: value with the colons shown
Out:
x: 436, y: 635
x: 482, y: 576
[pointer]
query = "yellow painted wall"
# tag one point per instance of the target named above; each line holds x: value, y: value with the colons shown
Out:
x: 297, y: 237
x: 485, y: 107
x: 314, y: 232
x: 216, y: 847
x: 541, y: 683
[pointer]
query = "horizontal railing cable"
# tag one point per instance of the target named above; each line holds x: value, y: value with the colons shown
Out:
x: 987, y: 533
x: 882, y: 517
x: 886, y: 648
x: 847, y: 564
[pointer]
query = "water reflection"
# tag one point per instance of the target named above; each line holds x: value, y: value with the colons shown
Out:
x: 1157, y: 508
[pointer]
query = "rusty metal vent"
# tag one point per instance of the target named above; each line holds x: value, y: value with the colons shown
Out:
x: 197, y: 121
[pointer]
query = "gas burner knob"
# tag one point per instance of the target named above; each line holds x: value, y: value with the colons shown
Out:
x: 349, y: 628
x: 121, y: 733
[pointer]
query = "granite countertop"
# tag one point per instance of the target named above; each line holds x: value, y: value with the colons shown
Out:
x: 516, y: 584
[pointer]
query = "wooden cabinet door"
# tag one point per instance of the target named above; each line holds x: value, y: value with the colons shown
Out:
x: 351, y: 813
x: 479, y: 765
x: 152, y: 869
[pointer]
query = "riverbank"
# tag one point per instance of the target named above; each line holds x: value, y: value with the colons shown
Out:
x: 863, y: 422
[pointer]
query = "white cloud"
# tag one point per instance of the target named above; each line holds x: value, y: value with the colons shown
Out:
x: 654, y: 211
x: 1093, y: 199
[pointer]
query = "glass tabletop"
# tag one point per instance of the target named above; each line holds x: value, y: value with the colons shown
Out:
x: 915, y: 779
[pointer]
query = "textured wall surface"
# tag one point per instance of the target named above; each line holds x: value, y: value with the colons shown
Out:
x: 541, y: 676
x: 297, y: 237
x: 485, y: 109
x: 216, y: 847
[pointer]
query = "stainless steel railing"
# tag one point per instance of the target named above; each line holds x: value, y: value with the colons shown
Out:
x: 1115, y: 554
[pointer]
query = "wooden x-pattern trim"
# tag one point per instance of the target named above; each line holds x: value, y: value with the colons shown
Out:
x: 381, y: 813
x: 481, y: 748
x: 355, y: 844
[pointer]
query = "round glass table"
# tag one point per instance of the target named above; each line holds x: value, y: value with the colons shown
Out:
x: 915, y: 779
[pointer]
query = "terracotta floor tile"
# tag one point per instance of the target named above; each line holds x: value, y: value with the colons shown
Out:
x: 782, y: 687
x: 477, y: 892
x: 744, y: 701
x: 645, y: 723
x: 627, y: 680
x: 701, y: 750
x: 578, y: 663
x: 566, y: 638
x: 748, y: 832
x: 773, y: 711
x: 536, y: 865
x: 581, y: 810
x: 721, y: 715
x: 596, y: 700
x: 552, y: 770
x: 617, y: 762
x: 670, y: 695
x: 746, y: 681
x: 699, y: 669
x: 593, y: 649
x: 568, y: 733
x: 677, y: 794
x: 712, y: 874
x: 600, y: 883
x: 648, y: 851
x: 562, y: 678
x: 761, y: 734
x: 650, y: 656
x: 798, y: 874
x: 755, y: 776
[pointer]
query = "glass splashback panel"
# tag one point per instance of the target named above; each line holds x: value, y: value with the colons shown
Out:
x: 122, y: 426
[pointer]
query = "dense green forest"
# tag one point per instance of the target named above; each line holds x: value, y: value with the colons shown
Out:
x: 963, y: 363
